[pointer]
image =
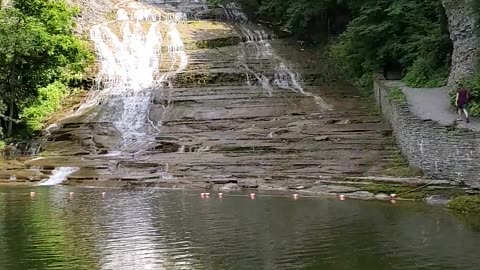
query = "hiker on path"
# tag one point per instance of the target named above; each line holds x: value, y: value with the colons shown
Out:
x: 461, y: 101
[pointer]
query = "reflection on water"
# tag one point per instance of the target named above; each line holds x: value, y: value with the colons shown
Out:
x: 179, y: 230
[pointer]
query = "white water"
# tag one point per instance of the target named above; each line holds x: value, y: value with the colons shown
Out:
x: 132, y: 63
x: 257, y: 44
x: 59, y: 175
x: 142, y: 50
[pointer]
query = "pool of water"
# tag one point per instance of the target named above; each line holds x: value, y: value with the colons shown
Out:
x: 155, y: 229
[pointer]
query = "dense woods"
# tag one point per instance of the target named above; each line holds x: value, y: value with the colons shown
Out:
x: 39, y: 57
x: 368, y: 36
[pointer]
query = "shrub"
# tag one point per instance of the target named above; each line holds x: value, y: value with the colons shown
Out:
x: 397, y: 94
x: 473, y: 85
x: 421, y: 74
x: 49, y: 100
x: 466, y: 204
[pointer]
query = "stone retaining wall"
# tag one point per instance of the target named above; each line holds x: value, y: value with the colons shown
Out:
x: 442, y: 152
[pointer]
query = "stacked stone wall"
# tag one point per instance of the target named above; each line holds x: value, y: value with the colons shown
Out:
x: 442, y: 152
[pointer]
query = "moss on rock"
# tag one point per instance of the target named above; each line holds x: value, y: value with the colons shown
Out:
x: 405, y: 191
x: 466, y: 204
x: 218, y: 42
x: 396, y: 94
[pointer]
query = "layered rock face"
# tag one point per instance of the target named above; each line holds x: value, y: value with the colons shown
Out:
x: 93, y: 12
x: 462, y: 22
x: 191, y: 96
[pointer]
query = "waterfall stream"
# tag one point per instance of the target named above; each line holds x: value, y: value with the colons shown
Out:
x: 141, y: 50
x: 138, y: 51
x: 59, y: 175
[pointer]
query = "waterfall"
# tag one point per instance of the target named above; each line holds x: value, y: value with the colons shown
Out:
x: 257, y: 44
x: 133, y: 62
x: 59, y: 175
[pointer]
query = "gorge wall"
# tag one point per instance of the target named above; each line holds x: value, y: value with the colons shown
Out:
x: 462, y: 20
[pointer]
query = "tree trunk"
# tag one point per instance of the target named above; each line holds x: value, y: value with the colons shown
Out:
x: 11, y: 85
x: 10, y: 121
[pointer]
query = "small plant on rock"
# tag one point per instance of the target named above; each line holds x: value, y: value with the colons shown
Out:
x: 466, y: 204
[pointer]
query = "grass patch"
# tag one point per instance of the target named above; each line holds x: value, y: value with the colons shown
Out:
x: 396, y: 94
x: 402, y: 190
x: 400, y: 167
x: 466, y: 204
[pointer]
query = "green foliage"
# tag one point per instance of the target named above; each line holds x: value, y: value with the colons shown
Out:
x: 37, y: 48
x: 397, y: 95
x: 48, y: 101
x: 473, y: 85
x: 421, y: 74
x: 400, y: 167
x: 306, y: 19
x: 409, y: 32
x: 466, y: 204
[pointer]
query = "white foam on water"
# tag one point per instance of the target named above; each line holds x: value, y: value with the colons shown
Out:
x: 59, y: 175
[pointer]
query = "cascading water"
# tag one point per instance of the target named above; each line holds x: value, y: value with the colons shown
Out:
x: 257, y: 45
x: 59, y: 175
x: 133, y: 61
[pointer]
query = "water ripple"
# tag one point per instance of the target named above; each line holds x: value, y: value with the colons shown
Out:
x: 174, y: 230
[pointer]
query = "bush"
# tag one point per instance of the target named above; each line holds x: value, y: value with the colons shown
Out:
x: 49, y: 100
x: 421, y: 74
x: 408, y: 32
x: 473, y: 85
x: 397, y: 95
x: 466, y: 204
x: 38, y: 47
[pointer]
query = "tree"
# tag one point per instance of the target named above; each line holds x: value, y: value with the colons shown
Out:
x: 409, y: 32
x: 37, y: 48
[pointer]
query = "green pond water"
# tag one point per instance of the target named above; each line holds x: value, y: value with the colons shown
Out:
x: 155, y: 229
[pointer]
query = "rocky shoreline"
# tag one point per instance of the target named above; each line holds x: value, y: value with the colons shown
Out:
x: 432, y: 192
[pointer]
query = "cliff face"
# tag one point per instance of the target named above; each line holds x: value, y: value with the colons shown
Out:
x: 92, y: 12
x: 462, y: 25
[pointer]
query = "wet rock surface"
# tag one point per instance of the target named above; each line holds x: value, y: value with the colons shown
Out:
x: 220, y: 126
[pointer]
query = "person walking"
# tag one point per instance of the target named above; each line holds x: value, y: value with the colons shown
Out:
x: 462, y: 99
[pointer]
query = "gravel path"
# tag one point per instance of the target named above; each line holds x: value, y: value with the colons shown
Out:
x: 434, y: 104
